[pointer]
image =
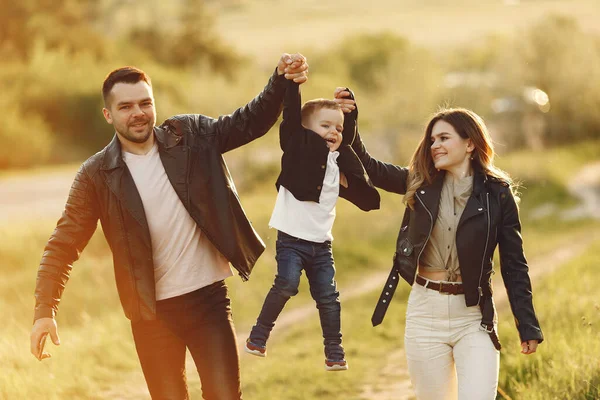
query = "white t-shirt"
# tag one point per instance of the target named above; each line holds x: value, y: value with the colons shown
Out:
x: 184, y: 259
x: 309, y: 220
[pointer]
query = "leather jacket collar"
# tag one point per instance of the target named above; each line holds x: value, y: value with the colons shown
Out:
x: 165, y: 135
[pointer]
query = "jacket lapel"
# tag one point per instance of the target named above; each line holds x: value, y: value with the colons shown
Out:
x: 430, y: 195
x: 475, y: 205
x: 175, y: 156
x: 119, y: 180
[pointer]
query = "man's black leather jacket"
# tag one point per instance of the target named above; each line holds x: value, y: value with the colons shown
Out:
x: 190, y: 148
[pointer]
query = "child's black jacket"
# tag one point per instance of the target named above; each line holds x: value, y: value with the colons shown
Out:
x: 305, y: 154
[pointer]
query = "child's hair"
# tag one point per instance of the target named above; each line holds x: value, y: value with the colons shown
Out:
x: 312, y: 106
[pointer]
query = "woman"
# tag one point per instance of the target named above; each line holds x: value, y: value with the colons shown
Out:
x: 459, y: 207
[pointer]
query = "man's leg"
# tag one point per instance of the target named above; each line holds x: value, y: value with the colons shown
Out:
x: 162, y: 356
x: 210, y: 336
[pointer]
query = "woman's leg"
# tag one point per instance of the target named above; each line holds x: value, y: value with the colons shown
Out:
x: 477, y: 360
x: 427, y: 345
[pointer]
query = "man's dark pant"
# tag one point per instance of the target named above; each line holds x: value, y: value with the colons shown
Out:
x: 316, y: 259
x: 202, y: 322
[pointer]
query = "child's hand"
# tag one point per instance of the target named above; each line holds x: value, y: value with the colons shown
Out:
x: 340, y: 96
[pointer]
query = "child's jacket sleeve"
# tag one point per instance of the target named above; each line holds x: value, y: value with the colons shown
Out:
x: 292, y: 119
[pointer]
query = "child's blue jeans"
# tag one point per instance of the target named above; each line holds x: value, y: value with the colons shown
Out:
x: 316, y: 259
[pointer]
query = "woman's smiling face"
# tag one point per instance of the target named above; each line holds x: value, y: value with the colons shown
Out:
x: 449, y: 150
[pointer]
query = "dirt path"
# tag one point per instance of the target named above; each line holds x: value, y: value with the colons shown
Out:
x: 34, y: 196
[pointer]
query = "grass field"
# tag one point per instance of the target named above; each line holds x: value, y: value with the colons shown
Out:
x: 567, y: 365
x: 97, y: 351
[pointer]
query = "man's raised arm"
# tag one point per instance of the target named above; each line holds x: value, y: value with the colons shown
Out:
x: 258, y: 116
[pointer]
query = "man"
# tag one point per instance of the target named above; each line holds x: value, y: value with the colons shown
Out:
x: 173, y: 221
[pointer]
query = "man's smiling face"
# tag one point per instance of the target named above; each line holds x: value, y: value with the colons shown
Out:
x: 131, y: 111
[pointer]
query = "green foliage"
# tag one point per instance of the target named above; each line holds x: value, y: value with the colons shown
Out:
x: 63, y: 25
x: 397, y: 85
x: 26, y: 138
x: 192, y: 42
x: 561, y: 59
x: 365, y: 58
x: 55, y: 56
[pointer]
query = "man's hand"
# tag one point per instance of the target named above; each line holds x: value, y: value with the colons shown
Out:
x: 340, y: 96
x: 41, y: 328
x: 294, y: 66
x: 529, y: 347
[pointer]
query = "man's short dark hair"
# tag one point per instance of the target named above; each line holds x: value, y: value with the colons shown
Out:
x: 123, y: 75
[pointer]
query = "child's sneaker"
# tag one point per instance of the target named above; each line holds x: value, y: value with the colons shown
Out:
x: 254, y: 349
x: 336, y: 365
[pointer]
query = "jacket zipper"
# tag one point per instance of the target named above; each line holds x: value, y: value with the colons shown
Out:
x: 487, y: 238
x: 187, y: 172
x: 428, y: 236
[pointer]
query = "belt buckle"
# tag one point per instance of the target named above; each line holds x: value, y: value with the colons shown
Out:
x: 433, y: 286
x: 485, y: 328
x: 444, y: 291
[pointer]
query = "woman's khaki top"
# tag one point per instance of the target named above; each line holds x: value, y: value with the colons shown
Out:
x: 440, y: 253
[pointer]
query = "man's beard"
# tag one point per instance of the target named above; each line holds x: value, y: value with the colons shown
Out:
x: 136, y: 139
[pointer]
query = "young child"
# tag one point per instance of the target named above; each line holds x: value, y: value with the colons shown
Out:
x: 318, y: 166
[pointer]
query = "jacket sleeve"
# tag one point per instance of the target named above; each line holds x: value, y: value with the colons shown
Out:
x: 350, y: 122
x: 292, y: 118
x: 389, y: 177
x: 252, y: 120
x: 515, y: 271
x: 72, y: 233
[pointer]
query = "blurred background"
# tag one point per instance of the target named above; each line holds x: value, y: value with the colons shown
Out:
x: 530, y: 68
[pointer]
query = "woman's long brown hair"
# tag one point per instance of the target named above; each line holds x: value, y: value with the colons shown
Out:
x: 469, y: 126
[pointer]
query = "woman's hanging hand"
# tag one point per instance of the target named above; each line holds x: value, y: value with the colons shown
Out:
x: 529, y: 347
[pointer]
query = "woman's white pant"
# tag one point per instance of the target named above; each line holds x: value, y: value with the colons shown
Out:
x: 448, y: 356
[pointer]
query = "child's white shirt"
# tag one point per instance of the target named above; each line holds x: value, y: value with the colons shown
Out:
x: 309, y: 220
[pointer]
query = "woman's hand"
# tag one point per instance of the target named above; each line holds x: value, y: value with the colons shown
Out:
x: 529, y: 347
x: 340, y: 96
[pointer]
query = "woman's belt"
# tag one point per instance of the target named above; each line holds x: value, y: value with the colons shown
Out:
x: 442, y: 287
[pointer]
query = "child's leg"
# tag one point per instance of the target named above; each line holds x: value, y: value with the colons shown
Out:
x: 291, y: 255
x: 321, y: 273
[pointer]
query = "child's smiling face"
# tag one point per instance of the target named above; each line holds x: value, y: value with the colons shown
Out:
x: 329, y: 124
